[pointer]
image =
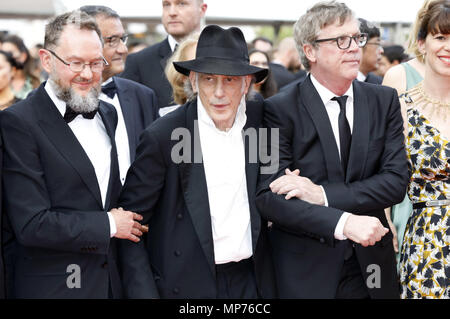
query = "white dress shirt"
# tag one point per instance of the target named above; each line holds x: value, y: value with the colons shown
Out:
x: 121, y: 136
x: 94, y: 139
x: 361, y: 77
x: 224, y: 163
x: 333, y: 109
x: 172, y: 42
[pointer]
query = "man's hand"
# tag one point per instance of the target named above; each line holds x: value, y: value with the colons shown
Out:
x: 127, y: 225
x: 293, y: 185
x: 364, y: 230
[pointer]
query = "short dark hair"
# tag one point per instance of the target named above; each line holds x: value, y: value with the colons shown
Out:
x: 436, y: 19
x: 94, y: 11
x: 77, y: 18
x: 369, y: 28
x: 395, y: 53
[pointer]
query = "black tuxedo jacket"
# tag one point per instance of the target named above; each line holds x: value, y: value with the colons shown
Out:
x: 373, y: 78
x: 307, y: 258
x: 54, y: 206
x: 139, y: 109
x: 281, y: 75
x: 172, y: 197
x: 147, y: 67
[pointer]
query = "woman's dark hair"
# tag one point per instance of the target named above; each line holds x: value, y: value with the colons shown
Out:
x: 395, y: 53
x: 9, y: 58
x: 28, y: 64
x: 436, y: 19
x: 269, y: 87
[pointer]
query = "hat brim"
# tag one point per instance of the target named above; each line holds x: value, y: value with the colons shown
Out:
x: 213, y: 65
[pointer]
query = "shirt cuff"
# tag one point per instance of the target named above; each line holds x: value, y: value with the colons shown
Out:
x: 339, y: 230
x: 112, y: 225
x: 325, y: 199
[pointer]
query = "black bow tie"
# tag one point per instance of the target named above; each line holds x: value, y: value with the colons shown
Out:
x: 110, y: 89
x: 71, y: 114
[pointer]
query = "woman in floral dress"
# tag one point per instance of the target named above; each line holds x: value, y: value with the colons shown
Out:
x: 425, y: 254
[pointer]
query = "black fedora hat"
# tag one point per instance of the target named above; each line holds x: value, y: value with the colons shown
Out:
x: 221, y: 51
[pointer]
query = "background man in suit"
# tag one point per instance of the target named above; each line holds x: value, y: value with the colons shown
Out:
x: 338, y: 170
x: 180, y: 18
x: 371, y: 53
x: 135, y: 103
x: 207, y: 239
x: 60, y: 165
x: 285, y: 58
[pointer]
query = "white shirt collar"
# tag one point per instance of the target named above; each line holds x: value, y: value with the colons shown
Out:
x: 172, y: 42
x: 361, y: 77
x: 60, y: 104
x: 107, y: 81
x: 325, y: 94
x: 239, y: 121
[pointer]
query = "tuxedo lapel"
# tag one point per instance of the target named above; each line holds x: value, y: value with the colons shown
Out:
x: 127, y: 112
x: 310, y: 99
x: 60, y: 134
x: 109, y: 118
x: 251, y: 172
x: 195, y: 191
x: 360, y: 134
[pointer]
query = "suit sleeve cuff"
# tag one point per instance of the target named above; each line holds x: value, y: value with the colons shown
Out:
x: 325, y: 199
x: 339, y: 230
x: 112, y: 225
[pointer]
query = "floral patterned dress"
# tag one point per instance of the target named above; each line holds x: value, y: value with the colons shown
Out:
x: 425, y: 253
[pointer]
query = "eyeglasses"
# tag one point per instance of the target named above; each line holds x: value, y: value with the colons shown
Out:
x: 344, y: 42
x: 78, y: 66
x: 113, y: 41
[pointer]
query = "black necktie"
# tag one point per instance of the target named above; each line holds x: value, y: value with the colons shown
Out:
x: 175, y: 48
x: 71, y: 114
x: 110, y: 89
x: 345, y: 135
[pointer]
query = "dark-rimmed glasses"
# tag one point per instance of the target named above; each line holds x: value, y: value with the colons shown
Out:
x: 343, y: 42
x: 78, y: 66
x: 113, y: 41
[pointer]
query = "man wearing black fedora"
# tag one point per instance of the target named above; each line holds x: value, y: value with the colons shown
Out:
x: 194, y: 181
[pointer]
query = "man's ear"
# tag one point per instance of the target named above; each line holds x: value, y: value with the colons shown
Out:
x: 193, y: 79
x: 310, y: 52
x: 248, y: 82
x: 44, y: 55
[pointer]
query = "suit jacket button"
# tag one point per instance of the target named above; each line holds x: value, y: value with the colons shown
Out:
x: 176, y: 290
x: 177, y: 253
x: 180, y: 216
x: 322, y: 240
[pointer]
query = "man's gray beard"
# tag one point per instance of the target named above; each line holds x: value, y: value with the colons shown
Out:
x: 75, y: 101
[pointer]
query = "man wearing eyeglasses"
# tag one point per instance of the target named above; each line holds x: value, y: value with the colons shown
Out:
x: 135, y: 104
x: 371, y: 53
x: 342, y: 161
x: 62, y: 176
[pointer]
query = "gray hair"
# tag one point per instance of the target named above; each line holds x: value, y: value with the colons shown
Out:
x: 104, y: 11
x: 76, y: 18
x: 321, y: 15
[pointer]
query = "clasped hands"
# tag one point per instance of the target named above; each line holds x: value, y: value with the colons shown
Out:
x: 127, y: 224
x: 364, y: 230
